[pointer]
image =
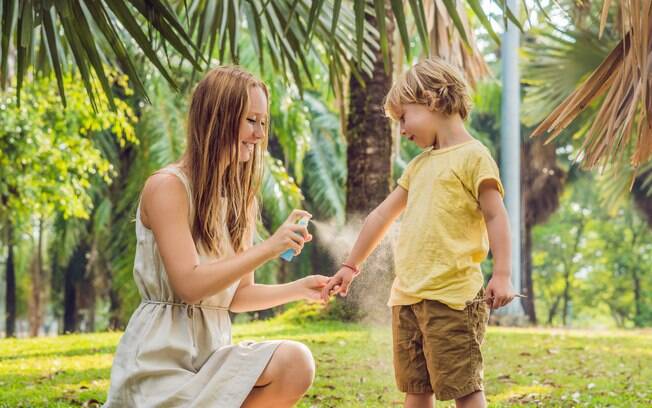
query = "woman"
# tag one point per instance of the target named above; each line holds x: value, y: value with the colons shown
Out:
x: 195, y: 260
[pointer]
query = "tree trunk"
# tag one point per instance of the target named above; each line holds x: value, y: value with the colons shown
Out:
x: 369, y: 137
x: 10, y: 309
x: 69, y: 303
x: 568, y: 266
x: 637, y: 299
x: 528, y: 286
x: 36, y: 307
x: 542, y: 184
x: 115, y: 323
x: 553, y: 310
x: 369, y: 162
x: 87, y: 286
x: 74, y: 273
x: 566, y: 295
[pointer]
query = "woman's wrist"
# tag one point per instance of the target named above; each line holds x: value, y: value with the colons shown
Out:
x: 298, y: 289
x: 265, y: 250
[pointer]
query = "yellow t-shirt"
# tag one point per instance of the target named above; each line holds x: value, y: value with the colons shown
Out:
x: 443, y: 237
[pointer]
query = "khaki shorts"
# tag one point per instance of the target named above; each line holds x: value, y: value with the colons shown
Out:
x: 437, y: 349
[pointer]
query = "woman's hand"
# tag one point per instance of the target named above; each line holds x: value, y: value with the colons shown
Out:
x: 311, y: 286
x: 338, y: 283
x: 290, y: 235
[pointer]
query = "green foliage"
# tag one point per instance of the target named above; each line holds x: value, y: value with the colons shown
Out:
x: 603, y: 258
x: 302, y: 313
x: 280, y: 193
x: 325, y: 164
x: 48, y: 159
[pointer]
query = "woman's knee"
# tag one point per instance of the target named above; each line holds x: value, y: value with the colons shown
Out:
x: 298, y: 366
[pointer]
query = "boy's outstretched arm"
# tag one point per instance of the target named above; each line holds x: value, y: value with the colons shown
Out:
x: 373, y: 230
x: 499, y: 290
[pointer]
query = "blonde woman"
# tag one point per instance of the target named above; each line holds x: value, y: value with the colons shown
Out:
x: 195, y: 260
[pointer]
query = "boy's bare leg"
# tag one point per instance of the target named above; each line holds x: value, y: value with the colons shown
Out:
x: 473, y: 400
x: 423, y: 400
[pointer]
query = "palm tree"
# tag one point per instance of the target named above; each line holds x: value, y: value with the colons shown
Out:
x: 622, y: 126
x: 100, y: 32
x: 168, y: 33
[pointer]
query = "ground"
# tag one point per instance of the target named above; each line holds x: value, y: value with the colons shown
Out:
x: 524, y: 367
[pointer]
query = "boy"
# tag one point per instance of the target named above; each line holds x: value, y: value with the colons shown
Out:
x: 451, y: 196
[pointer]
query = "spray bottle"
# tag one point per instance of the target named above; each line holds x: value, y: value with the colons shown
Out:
x: 289, y: 254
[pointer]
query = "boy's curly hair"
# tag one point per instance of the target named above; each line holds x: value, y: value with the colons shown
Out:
x: 434, y: 83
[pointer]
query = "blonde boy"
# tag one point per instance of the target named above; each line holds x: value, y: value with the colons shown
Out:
x: 450, y: 196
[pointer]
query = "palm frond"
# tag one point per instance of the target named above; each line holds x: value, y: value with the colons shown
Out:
x: 98, y: 33
x: 290, y: 127
x: 622, y: 86
x: 451, y: 38
x: 325, y: 164
x: 77, y: 29
x: 549, y: 52
x: 279, y: 194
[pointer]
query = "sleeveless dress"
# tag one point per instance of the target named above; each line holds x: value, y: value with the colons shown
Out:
x: 178, y: 355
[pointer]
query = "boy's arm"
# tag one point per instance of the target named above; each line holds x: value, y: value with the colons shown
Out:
x: 373, y: 230
x: 499, y: 289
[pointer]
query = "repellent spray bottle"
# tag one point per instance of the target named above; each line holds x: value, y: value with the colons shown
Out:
x: 289, y: 254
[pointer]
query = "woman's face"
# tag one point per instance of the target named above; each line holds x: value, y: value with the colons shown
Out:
x: 254, y: 123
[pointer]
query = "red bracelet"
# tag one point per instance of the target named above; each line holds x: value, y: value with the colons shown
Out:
x: 355, y: 269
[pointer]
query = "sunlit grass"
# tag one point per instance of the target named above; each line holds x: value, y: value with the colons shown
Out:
x: 524, y: 367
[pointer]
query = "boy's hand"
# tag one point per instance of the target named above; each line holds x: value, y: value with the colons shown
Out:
x: 339, y: 283
x: 499, y: 291
x: 311, y: 287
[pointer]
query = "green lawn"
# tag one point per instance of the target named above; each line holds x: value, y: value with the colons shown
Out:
x: 524, y: 367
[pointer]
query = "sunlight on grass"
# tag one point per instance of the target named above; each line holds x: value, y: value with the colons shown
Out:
x: 522, y: 393
x: 524, y: 367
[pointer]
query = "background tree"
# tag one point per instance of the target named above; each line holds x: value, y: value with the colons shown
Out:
x: 48, y: 162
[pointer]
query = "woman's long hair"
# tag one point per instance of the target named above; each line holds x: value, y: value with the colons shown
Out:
x: 218, y: 106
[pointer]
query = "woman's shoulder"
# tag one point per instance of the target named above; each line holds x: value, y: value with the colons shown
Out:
x: 164, y: 193
x: 166, y: 179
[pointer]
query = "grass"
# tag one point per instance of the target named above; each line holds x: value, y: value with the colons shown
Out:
x: 523, y: 367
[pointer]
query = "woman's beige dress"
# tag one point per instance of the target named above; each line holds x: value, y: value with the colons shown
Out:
x: 178, y: 355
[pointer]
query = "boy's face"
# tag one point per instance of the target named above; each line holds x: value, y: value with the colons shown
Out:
x: 418, y: 124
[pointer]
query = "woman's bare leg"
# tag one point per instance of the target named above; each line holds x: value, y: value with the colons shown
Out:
x: 286, y: 378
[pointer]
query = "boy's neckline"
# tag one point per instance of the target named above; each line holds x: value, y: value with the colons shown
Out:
x: 432, y: 150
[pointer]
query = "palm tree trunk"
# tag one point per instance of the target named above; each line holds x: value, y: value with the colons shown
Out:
x: 10, y: 309
x: 369, y: 136
x: 368, y: 182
